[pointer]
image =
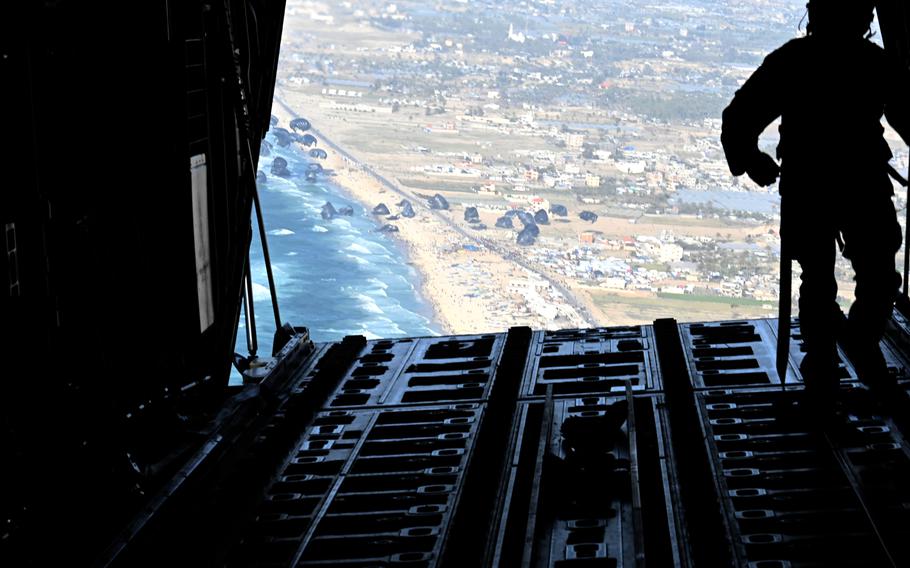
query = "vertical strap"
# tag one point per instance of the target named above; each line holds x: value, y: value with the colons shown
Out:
x: 907, y: 232
x: 783, y: 303
x: 783, y: 313
x: 252, y: 343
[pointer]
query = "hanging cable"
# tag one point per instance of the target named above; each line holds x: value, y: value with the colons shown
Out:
x: 248, y: 175
x: 265, y: 250
x: 252, y: 344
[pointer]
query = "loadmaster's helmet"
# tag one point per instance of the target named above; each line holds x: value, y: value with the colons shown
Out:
x: 843, y: 17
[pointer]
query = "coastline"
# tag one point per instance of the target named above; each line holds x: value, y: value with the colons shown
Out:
x: 463, y: 275
x: 348, y: 189
x: 412, y: 239
x: 435, y: 320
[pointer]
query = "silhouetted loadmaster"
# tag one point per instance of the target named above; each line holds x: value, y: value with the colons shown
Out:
x: 830, y: 89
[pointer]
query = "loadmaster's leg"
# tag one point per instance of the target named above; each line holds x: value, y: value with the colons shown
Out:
x: 818, y: 316
x: 872, y: 241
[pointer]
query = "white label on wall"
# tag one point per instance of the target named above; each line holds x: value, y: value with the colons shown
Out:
x: 199, y: 185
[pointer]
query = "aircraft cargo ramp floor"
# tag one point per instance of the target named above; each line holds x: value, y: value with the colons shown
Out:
x: 663, y: 445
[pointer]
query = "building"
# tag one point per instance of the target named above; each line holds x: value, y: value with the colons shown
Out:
x: 574, y: 140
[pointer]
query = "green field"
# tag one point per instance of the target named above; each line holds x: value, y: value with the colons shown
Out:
x: 713, y: 299
x: 687, y: 221
x: 622, y: 310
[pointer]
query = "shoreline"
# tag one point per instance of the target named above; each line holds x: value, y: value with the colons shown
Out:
x: 347, y: 186
x: 436, y: 321
x: 471, y: 282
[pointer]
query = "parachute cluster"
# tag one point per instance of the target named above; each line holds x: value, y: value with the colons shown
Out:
x: 530, y: 223
x: 329, y: 212
x: 283, y: 139
x: 405, y: 209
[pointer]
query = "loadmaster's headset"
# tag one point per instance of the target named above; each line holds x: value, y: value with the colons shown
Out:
x: 850, y: 17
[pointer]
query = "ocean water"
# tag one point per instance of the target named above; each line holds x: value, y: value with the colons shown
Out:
x: 337, y: 277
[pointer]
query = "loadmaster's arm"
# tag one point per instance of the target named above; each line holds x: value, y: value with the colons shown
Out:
x: 754, y: 106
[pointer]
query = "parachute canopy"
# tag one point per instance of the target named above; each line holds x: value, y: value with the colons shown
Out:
x: 328, y: 211
x: 525, y: 218
x: 526, y: 236
x: 588, y: 216
x: 438, y: 202
x: 301, y: 124
x: 560, y: 210
x: 280, y: 167
x: 407, y: 210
